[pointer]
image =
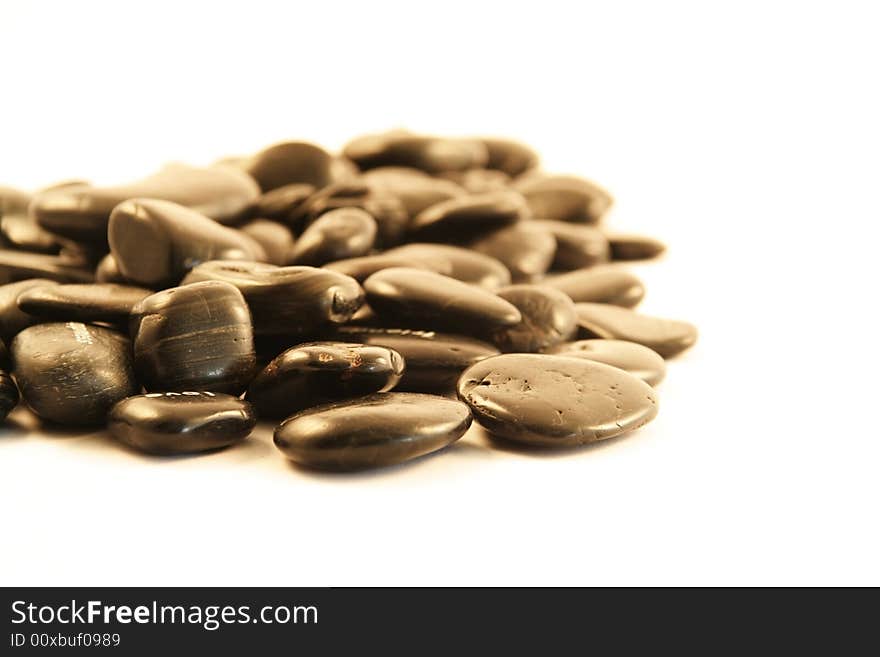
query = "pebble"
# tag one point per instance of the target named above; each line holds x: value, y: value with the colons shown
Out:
x: 386, y: 210
x: 548, y: 318
x: 13, y: 319
x: 185, y: 422
x: 338, y: 234
x: 479, y: 181
x: 634, y: 247
x: 8, y: 394
x: 289, y: 163
x: 275, y: 238
x: 577, y: 245
x: 97, y: 302
x: 636, y: 359
x: 428, y: 300
x: 21, y: 265
x: 467, y: 266
x: 13, y: 201
x: 510, y: 156
x: 155, y: 243
x: 469, y: 215
x: 21, y: 232
x: 599, y: 285
x: 668, y: 337
x: 434, y: 361
x: 415, y: 189
x: 72, y: 373
x: 107, y: 271
x: 320, y: 372
x: 286, y: 300
x: 365, y: 266
x: 81, y: 212
x: 526, y: 249
x: 284, y: 203
x: 564, y: 198
x: 371, y: 432
x: 429, y: 154
x: 194, y: 337
x: 555, y: 401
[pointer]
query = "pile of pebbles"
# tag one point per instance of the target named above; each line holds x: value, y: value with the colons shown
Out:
x: 374, y: 303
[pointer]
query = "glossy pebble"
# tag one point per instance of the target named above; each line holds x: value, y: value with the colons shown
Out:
x: 668, y: 337
x: 599, y: 285
x: 636, y: 359
x: 335, y: 235
x: 98, y: 302
x: 526, y: 249
x: 548, y: 318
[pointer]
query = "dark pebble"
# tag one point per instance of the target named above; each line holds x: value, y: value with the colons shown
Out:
x: 479, y: 181
x: 21, y: 265
x: 434, y: 361
x: 362, y: 268
x: 636, y: 359
x: 577, y: 245
x: 429, y: 154
x: 469, y: 215
x: 335, y: 235
x: 634, y: 247
x: 275, y: 238
x: 599, y: 285
x: 564, y: 198
x: 8, y: 393
x: 81, y: 212
x: 424, y: 299
x: 72, y: 373
x: 386, y: 210
x: 21, y: 232
x: 548, y: 318
x: 526, y: 249
x: 667, y: 337
x: 415, y: 189
x: 284, y: 203
x: 107, y: 271
x: 467, y: 266
x: 13, y: 320
x: 320, y: 372
x: 97, y: 302
x: 555, y: 400
x: 290, y: 163
x: 510, y: 156
x: 194, y: 337
x: 286, y: 300
x: 181, y: 422
x: 155, y: 243
x: 375, y: 431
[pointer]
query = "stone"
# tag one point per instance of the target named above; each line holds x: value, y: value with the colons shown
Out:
x: 194, y: 337
x: 275, y: 238
x: 423, y: 299
x: 415, y: 189
x: 21, y: 265
x: 479, y: 181
x: 371, y: 432
x: 81, y: 212
x: 185, y: 422
x: 636, y: 359
x: 510, y: 156
x: 335, y: 235
x: 13, y: 201
x: 8, y: 394
x: 668, y: 337
x: 404, y: 149
x: 434, y: 361
x: 13, y: 320
x: 473, y: 214
x: 467, y: 266
x: 290, y: 163
x: 96, y: 302
x: 155, y: 243
x: 634, y: 247
x: 72, y: 373
x: 577, y: 245
x: 527, y: 250
x: 555, y: 401
x: 564, y: 198
x: 365, y: 266
x: 107, y: 271
x: 386, y: 210
x: 22, y: 233
x: 321, y: 372
x: 599, y: 285
x: 283, y: 203
x: 286, y: 300
x: 548, y: 318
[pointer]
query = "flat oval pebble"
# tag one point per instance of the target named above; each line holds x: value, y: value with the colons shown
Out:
x: 284, y: 203
x: 577, y: 245
x: 275, y: 238
x: 21, y: 232
x: 12, y: 318
x: 467, y: 266
x: 548, y: 318
x: 72, y: 373
x: 335, y: 235
x: 430, y: 154
x: 634, y: 247
x: 97, y: 302
x: 194, y: 337
x: 289, y: 163
x: 636, y: 359
x: 286, y: 300
x: 20, y: 265
x: 157, y: 242
x: 599, y: 285
x: 8, y: 394
x: 469, y: 215
x: 555, y: 401
x: 371, y: 432
x: 82, y: 212
x: 526, y: 249
x: 479, y: 181
x: 365, y: 266
x: 181, y: 422
x: 434, y: 361
x: 320, y: 372
x: 667, y: 337
x: 415, y: 190
x: 429, y: 300
x: 564, y: 198
x: 512, y: 157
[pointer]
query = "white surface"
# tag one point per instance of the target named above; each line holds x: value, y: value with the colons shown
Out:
x: 745, y: 136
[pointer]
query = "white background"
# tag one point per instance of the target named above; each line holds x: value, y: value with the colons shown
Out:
x: 743, y: 134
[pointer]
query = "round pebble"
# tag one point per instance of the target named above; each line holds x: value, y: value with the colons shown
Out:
x: 335, y: 235
x: 636, y: 359
x: 548, y: 318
